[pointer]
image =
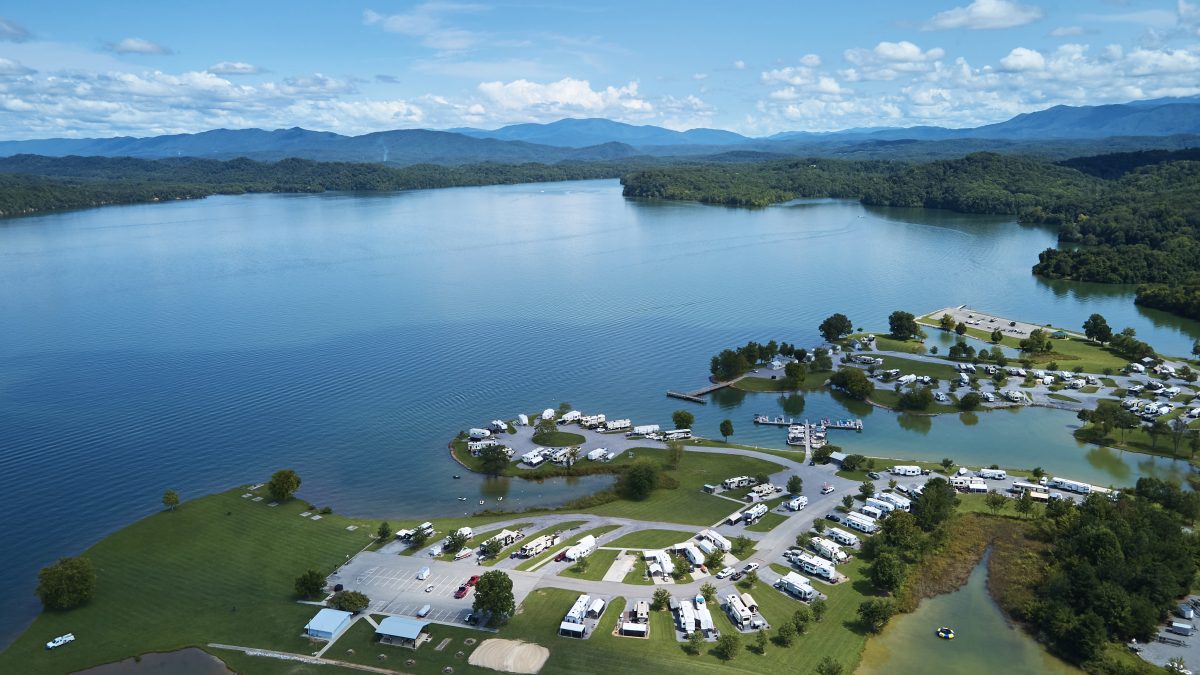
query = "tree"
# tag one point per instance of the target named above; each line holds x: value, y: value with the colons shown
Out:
x: 674, y: 454
x: 795, y: 484
x: 1156, y: 430
x: 875, y: 613
x: 455, y: 542
x: 818, y: 607
x: 494, y: 596
x: 640, y: 479
x: 418, y: 539
x: 853, y: 382
x: 1097, y: 329
x: 801, y: 619
x: 786, y: 635
x: 660, y: 600
x: 283, y: 485
x: 728, y: 365
x: 709, y: 592
x: 493, y: 461
x: 997, y: 337
x: 847, y: 501
x: 1024, y: 505
x: 995, y: 502
x: 819, y: 526
x: 726, y: 429
x: 887, y: 572
x: 683, y: 419
x: 947, y: 464
x: 728, y: 646
x: 490, y: 548
x: 170, y: 499
x: 349, y: 601
x: 794, y: 373
x: 714, y: 559
x: 1038, y: 472
x: 867, y: 489
x: 310, y: 585
x: 946, y: 322
x: 903, y: 325
x: 919, y: 398
x: 695, y: 642
x: 384, y: 531
x: 900, y: 532
x: 581, y: 565
x: 822, y: 454
x: 760, y: 641
x: 822, y: 362
x: 935, y: 504
x: 961, y: 328
x: 835, y: 327
x: 1038, y: 342
x: 66, y: 584
x: 828, y: 666
x: 969, y: 401
x: 740, y: 544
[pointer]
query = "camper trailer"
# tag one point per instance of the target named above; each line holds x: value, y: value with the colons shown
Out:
x: 536, y: 546
x: 644, y: 429
x: 882, y: 505
x: 903, y: 470
x: 797, y: 504
x: 842, y: 537
x: 862, y: 523
x: 902, y: 503
x: 871, y: 511
x: 994, y: 474
x: 828, y: 549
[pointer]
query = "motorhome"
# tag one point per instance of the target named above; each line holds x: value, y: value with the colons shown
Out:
x: 905, y: 470
x: 536, y: 546
x: 1071, y: 486
x: 583, y: 549
x: 644, y: 429
x: 862, y: 523
x: 842, y: 537
x: 478, y: 434
x: 815, y: 566
x: 1021, y: 486
x: 755, y: 512
x: 677, y: 435
x: 737, y: 482
x: 829, y: 549
x: 797, y: 585
x: 883, y: 505
x: 993, y: 474
x: 797, y: 504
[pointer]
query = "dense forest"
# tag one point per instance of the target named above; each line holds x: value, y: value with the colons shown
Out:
x: 1129, y: 218
x: 33, y: 183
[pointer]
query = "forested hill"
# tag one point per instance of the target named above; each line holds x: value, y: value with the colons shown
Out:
x: 1140, y: 228
x: 32, y: 183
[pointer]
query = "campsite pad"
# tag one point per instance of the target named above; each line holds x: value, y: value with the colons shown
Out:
x: 510, y: 656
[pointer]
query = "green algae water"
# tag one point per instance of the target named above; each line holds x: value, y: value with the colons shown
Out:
x: 984, y: 642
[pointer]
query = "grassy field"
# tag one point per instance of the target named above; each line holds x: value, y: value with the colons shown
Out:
x: 637, y: 574
x: 558, y: 439
x: 768, y: 522
x: 754, y: 383
x: 911, y: 366
x: 886, y: 343
x: 1062, y: 397
x: 652, y: 539
x: 218, y: 569
x: 568, y: 539
x: 888, y: 397
x: 687, y: 504
x: 366, y: 650
x: 882, y: 466
x: 598, y: 564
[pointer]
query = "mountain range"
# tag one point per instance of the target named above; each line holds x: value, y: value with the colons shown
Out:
x: 1168, y: 123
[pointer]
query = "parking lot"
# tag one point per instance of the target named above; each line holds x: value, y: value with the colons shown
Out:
x: 391, y: 583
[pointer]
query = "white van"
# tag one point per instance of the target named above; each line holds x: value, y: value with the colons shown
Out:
x: 423, y: 574
x: 424, y: 611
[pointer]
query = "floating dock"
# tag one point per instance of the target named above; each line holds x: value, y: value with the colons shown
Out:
x: 850, y: 425
x: 695, y: 396
x: 777, y: 421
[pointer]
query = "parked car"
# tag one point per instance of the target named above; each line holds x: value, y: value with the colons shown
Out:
x: 826, y: 489
x: 473, y: 580
x: 471, y: 619
x: 750, y: 567
x: 424, y: 611
x: 462, y: 592
x: 60, y: 641
x: 725, y: 573
x: 429, y: 588
x: 873, y: 475
x: 737, y: 575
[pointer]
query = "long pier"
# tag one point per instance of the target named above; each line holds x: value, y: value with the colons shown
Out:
x: 694, y: 396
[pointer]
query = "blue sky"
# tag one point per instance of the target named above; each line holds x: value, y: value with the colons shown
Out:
x: 144, y: 68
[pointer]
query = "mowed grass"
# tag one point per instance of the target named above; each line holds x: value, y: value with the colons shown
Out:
x: 911, y: 366
x: 688, y: 503
x: 361, y: 638
x: 218, y: 569
x: 597, y: 566
x: 754, y: 383
x: 557, y: 527
x: 569, y: 539
x: 602, y: 652
x: 558, y: 439
x: 768, y: 522
x: 650, y: 539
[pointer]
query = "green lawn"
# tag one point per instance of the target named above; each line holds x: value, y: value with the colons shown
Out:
x: 637, y: 574
x: 1062, y: 397
x: 219, y: 569
x: 568, y: 539
x: 366, y: 649
x: 882, y: 466
x: 558, y: 439
x: 652, y: 539
x: 885, y: 343
x: 564, y: 527
x: 598, y: 564
x: 755, y: 383
x: 687, y: 504
x: 767, y: 523
x: 884, y: 395
x: 910, y: 366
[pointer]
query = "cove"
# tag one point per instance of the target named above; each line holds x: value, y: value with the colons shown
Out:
x: 984, y: 641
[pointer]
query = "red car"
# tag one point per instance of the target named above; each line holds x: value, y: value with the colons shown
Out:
x: 473, y: 580
x: 562, y: 555
x: 462, y: 592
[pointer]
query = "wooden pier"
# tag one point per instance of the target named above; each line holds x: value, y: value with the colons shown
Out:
x: 695, y: 396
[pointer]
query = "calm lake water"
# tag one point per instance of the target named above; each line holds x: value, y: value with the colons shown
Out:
x: 983, y: 641
x: 200, y: 345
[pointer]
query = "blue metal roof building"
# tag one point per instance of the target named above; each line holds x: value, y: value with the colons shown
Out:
x: 403, y: 631
x: 328, y: 623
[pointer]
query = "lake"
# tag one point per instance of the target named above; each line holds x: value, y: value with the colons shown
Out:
x: 984, y: 642
x: 203, y: 344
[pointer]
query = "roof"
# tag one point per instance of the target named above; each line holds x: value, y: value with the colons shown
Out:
x: 328, y: 620
x: 570, y: 627
x: 837, y: 456
x: 401, y: 627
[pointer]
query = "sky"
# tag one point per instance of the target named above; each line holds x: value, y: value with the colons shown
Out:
x: 90, y: 69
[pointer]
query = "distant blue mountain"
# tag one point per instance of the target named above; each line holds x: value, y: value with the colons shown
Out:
x: 579, y: 133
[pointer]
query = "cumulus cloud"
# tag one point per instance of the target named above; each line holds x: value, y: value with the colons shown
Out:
x: 1020, y: 59
x: 888, y: 60
x: 133, y: 45
x: 568, y: 96
x: 234, y: 68
x: 810, y: 60
x: 985, y: 15
x: 739, y: 65
x: 427, y: 21
x: 11, y: 31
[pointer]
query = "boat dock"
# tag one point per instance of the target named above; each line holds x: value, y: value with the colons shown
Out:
x: 695, y: 396
x: 776, y: 421
x: 850, y: 425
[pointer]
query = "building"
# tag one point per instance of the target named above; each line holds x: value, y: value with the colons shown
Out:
x: 595, y: 609
x: 630, y: 629
x: 837, y: 457
x: 569, y: 629
x: 402, y: 631
x: 328, y: 624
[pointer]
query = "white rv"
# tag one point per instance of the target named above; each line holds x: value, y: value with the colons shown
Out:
x: 828, y: 549
x: 797, y: 504
x: 904, y: 470
x: 862, y: 523
x: 994, y: 474
x: 842, y: 537
x: 883, y: 505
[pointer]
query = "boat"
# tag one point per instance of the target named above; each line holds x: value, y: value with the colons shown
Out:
x: 481, y: 502
x: 462, y: 499
x: 456, y: 476
x: 945, y: 633
x: 499, y: 499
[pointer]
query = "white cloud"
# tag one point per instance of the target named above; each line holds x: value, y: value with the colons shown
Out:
x: 568, y: 96
x: 11, y: 68
x: 1068, y: 31
x: 985, y: 15
x: 133, y: 45
x: 234, y: 68
x: 810, y: 60
x: 1020, y: 59
x: 699, y: 76
x: 739, y: 65
x: 11, y: 31
x: 427, y: 22
x: 889, y: 60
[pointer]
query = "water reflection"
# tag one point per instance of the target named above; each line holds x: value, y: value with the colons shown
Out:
x: 728, y: 398
x: 792, y: 404
x: 918, y: 423
x: 968, y: 419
